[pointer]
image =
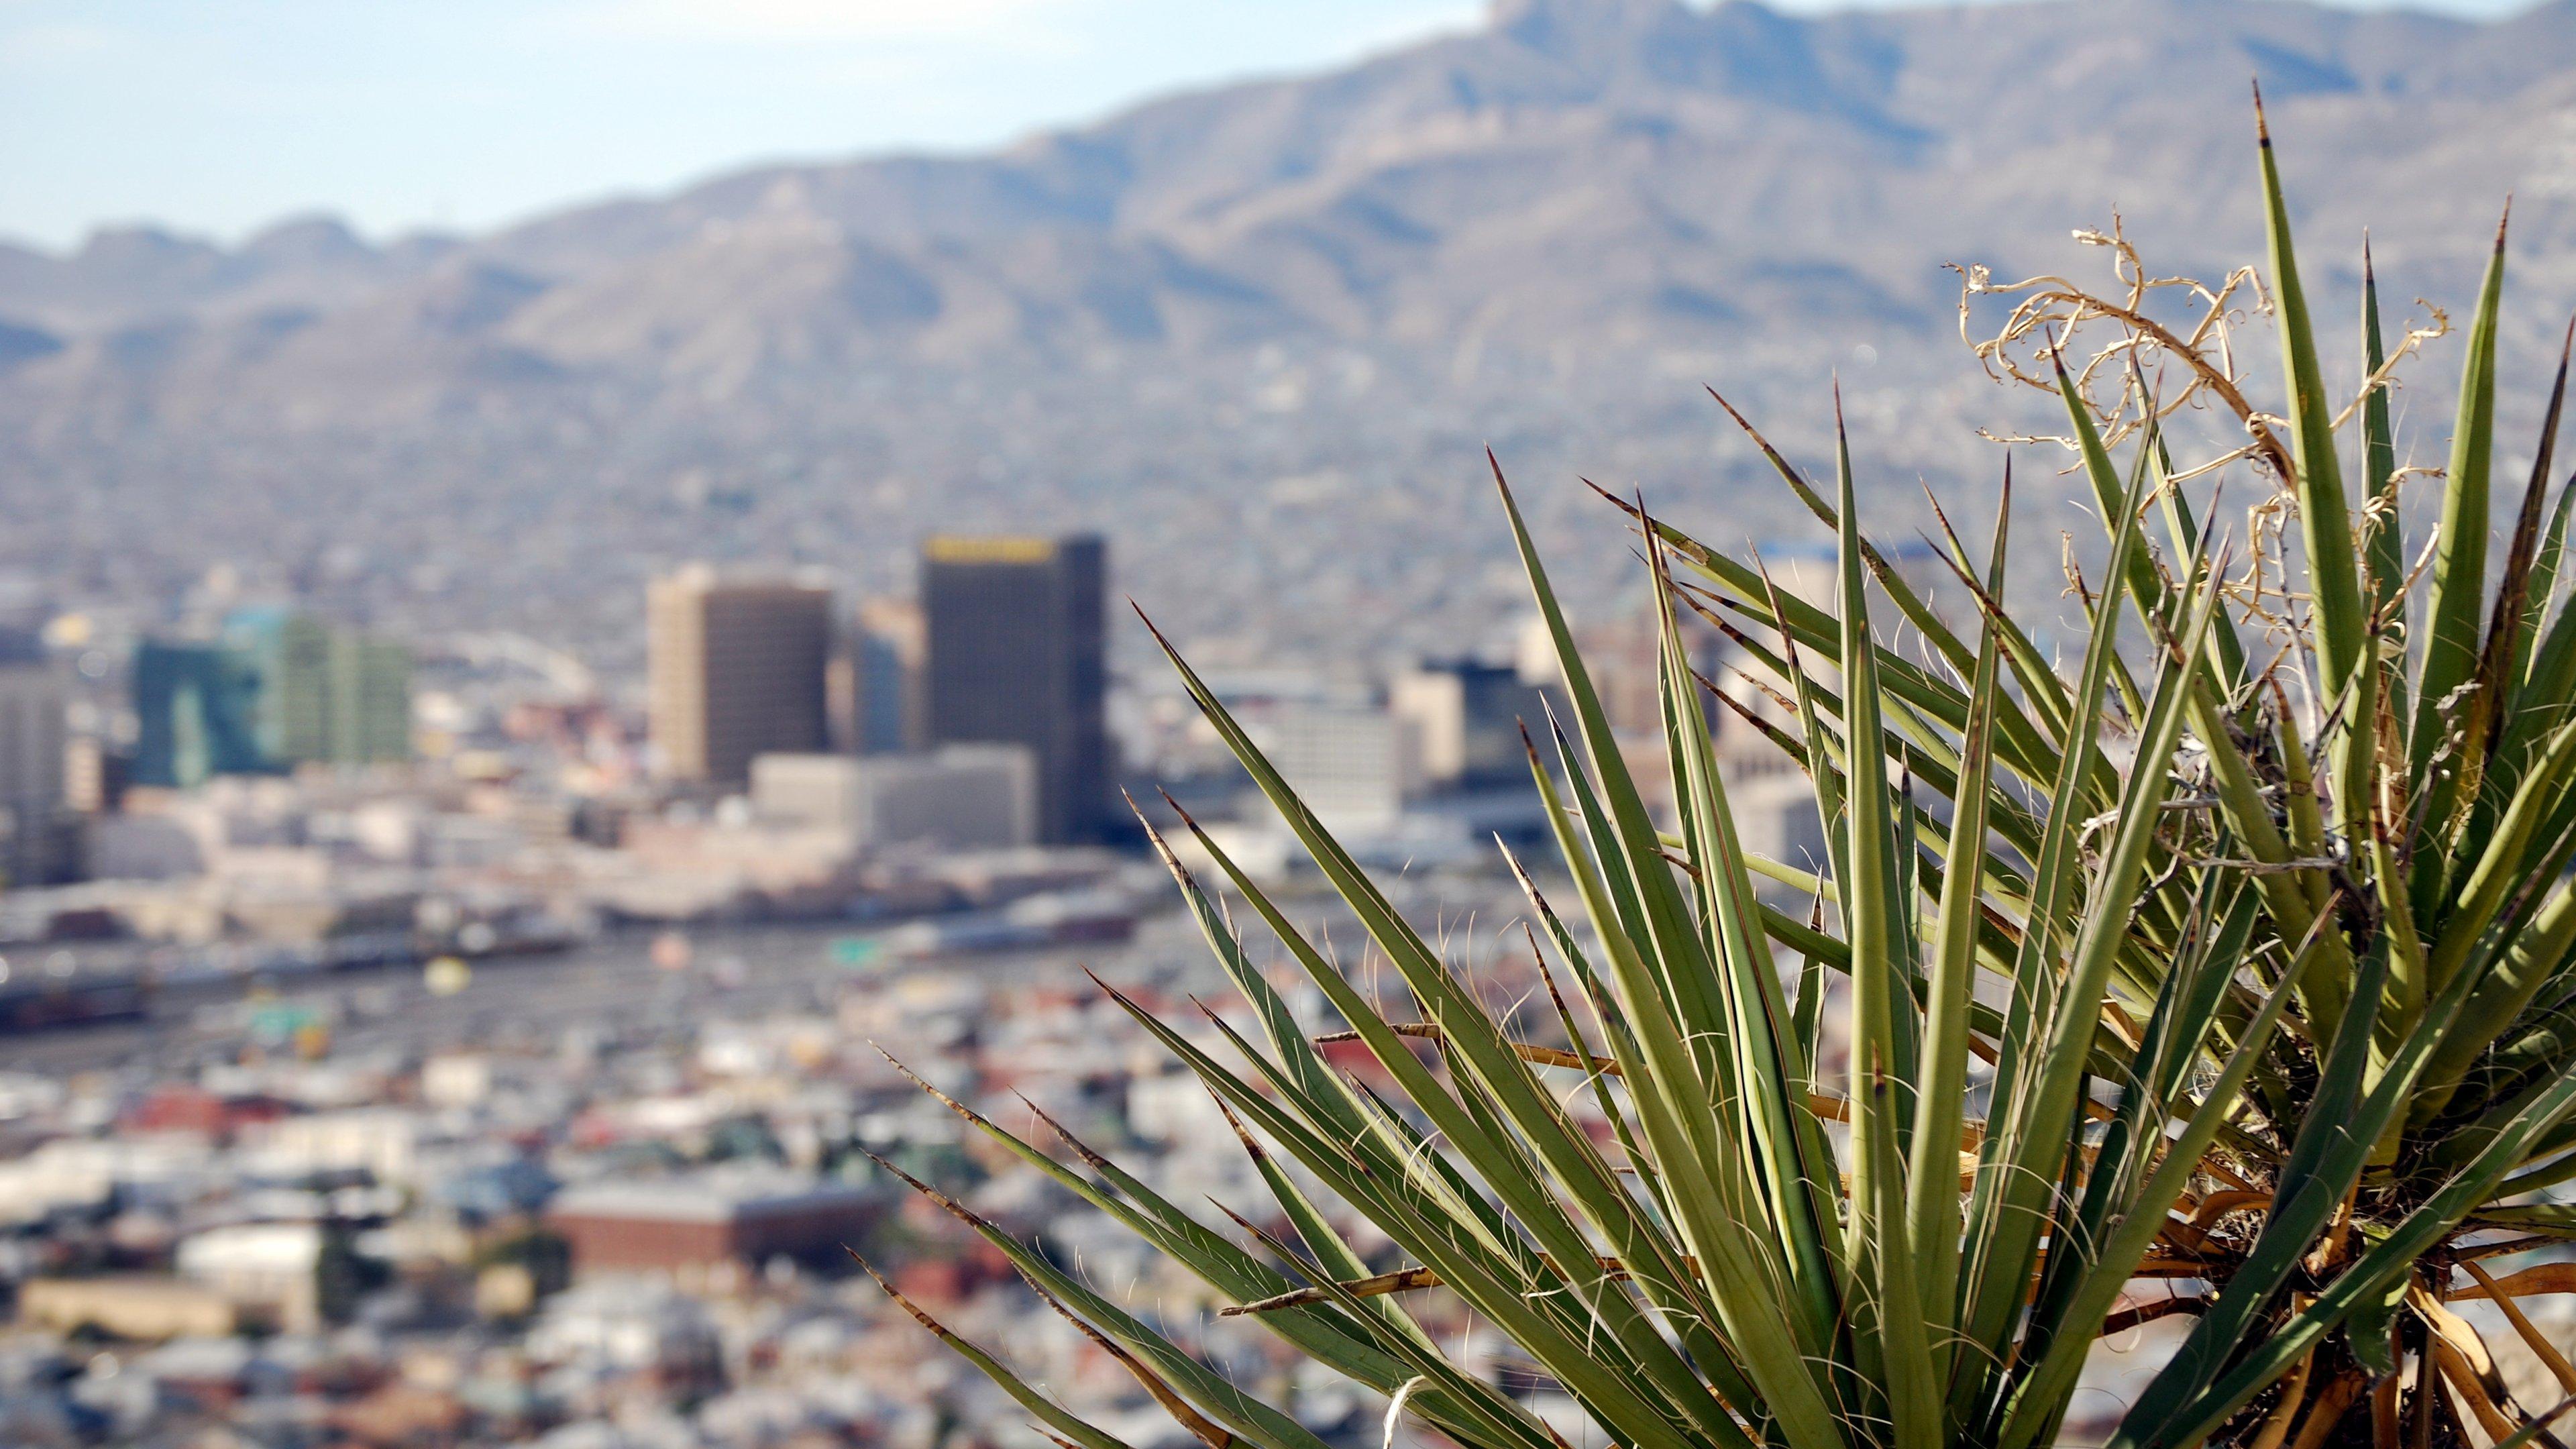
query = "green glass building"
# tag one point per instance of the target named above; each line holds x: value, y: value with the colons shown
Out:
x: 292, y: 654
x: 196, y: 709
x: 369, y: 720
x: 280, y: 689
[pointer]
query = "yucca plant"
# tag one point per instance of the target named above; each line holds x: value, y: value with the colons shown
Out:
x: 2239, y: 957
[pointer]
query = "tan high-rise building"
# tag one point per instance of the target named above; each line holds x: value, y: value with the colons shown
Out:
x: 736, y: 669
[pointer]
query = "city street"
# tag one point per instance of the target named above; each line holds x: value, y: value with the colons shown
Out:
x: 609, y: 986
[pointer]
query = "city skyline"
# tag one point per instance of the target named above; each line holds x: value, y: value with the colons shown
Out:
x: 534, y: 739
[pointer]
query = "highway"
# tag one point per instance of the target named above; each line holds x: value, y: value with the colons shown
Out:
x: 609, y: 985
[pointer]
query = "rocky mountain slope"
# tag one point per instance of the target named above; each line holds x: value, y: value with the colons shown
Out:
x: 1550, y: 229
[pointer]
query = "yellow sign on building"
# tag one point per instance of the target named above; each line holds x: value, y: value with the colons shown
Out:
x: 1004, y: 550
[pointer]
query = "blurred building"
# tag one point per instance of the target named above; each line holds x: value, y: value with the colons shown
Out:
x: 816, y: 790
x: 280, y: 689
x: 1353, y: 765
x: 1466, y: 720
x: 196, y: 710
x: 37, y: 835
x: 663, y: 1224
x: 370, y: 701
x: 737, y: 669
x: 962, y: 797
x: 324, y: 695
x: 885, y: 659
x: 1015, y: 633
x: 1775, y: 817
x: 290, y: 653
x: 130, y: 1306
x: 273, y: 1269
x: 95, y: 774
x: 1625, y: 661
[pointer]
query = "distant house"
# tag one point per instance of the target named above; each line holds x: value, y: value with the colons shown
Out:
x: 707, y: 1220
x: 271, y: 1269
x: 142, y: 1308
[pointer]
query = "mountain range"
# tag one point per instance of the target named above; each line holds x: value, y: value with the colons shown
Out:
x: 1292, y: 305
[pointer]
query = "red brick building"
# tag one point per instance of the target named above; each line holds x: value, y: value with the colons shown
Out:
x: 665, y: 1224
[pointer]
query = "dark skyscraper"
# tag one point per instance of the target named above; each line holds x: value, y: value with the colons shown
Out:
x: 1015, y: 630
x: 36, y: 837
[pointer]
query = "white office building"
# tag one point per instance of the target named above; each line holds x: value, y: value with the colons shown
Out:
x: 958, y: 797
x: 1354, y: 766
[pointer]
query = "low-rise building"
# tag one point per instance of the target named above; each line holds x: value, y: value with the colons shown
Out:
x: 959, y: 797
x: 1353, y: 765
x: 706, y: 1219
x: 379, y: 1141
x: 128, y: 1306
x: 270, y: 1269
x: 1465, y: 720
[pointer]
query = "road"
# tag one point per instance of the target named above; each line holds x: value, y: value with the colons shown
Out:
x: 609, y: 986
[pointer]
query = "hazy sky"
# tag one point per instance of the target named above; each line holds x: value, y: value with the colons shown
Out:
x: 220, y: 116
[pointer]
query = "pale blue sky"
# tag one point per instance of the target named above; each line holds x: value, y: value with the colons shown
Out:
x: 219, y: 116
